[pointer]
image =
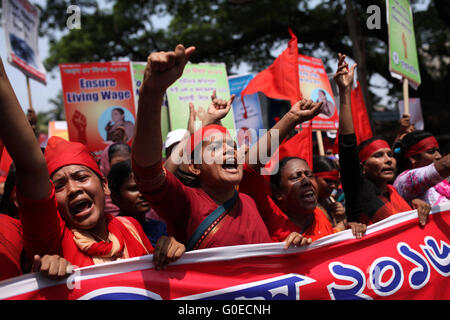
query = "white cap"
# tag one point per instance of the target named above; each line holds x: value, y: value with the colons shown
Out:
x: 174, y: 136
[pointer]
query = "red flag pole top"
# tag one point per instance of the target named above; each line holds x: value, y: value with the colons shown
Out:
x: 281, y: 79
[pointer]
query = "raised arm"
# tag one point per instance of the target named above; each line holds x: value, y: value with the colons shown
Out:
x: 163, y: 69
x: 344, y: 79
x: 31, y: 169
x: 443, y: 166
x: 301, y: 111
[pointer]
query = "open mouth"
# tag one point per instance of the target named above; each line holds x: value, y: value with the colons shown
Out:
x: 80, y: 207
x: 308, y: 195
x: 230, y: 165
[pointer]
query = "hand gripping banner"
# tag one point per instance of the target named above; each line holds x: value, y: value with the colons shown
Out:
x: 395, y: 260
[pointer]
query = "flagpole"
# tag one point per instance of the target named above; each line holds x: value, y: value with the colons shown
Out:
x: 320, y: 142
x: 30, y: 103
x: 406, y: 95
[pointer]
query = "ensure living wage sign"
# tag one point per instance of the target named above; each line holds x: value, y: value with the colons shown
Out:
x: 395, y: 260
x: 315, y: 85
x: 196, y: 85
x: 402, y: 42
x: 99, y: 102
x: 21, y: 25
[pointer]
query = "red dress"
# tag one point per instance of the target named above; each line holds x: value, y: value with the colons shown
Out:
x: 184, y: 208
x: 11, y: 246
x: 45, y: 232
x: 276, y: 220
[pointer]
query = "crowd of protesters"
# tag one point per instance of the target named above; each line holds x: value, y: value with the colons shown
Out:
x: 61, y: 208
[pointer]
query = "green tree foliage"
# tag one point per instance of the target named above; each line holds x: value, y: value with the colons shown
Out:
x: 239, y: 31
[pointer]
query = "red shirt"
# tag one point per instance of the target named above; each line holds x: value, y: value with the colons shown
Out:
x: 11, y: 246
x: 276, y: 220
x: 45, y: 232
x: 184, y: 208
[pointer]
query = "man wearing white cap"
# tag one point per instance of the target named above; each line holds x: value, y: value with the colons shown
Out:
x: 173, y: 138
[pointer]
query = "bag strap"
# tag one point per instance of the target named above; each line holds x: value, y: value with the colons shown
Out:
x: 226, y: 206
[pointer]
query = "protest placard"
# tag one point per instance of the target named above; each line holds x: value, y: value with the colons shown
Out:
x: 196, y: 85
x: 138, y: 76
x: 99, y: 102
x: 247, y: 127
x: 402, y: 42
x: 58, y: 129
x: 314, y: 85
x: 21, y: 25
x: 415, y: 112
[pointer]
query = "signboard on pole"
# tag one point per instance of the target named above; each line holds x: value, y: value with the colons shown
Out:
x: 415, y: 112
x: 314, y: 85
x: 196, y: 85
x: 247, y: 127
x: 403, y: 59
x: 21, y: 25
x: 99, y: 102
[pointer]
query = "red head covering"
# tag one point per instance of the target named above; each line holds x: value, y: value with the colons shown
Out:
x: 422, y: 146
x: 202, y: 133
x: 60, y: 152
x: 329, y: 175
x: 371, y: 148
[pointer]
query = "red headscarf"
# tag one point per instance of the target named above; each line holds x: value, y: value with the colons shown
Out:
x: 60, y: 152
x: 202, y: 133
x: 371, y: 148
x: 329, y: 175
x: 422, y: 146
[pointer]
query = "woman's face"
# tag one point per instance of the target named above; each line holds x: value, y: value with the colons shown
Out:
x: 322, y: 96
x: 425, y: 158
x: 220, y: 165
x: 325, y: 187
x: 130, y: 200
x: 80, y: 195
x: 116, y: 116
x: 297, y: 193
x: 380, y: 166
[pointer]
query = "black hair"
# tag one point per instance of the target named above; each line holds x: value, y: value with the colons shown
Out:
x: 405, y: 144
x: 323, y: 163
x: 116, y: 148
x: 120, y: 110
x: 118, y: 174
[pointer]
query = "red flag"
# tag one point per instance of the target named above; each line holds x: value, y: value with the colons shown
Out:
x: 5, y: 163
x: 299, y: 145
x: 361, y: 121
x: 281, y: 79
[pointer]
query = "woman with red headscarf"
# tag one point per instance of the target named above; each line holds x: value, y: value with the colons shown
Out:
x: 368, y: 169
x: 61, y: 197
x: 213, y: 213
x: 424, y: 171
